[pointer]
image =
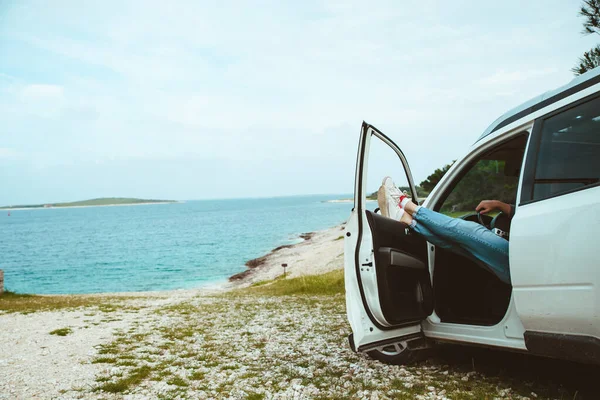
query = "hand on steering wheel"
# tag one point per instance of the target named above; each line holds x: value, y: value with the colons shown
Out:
x: 486, y: 206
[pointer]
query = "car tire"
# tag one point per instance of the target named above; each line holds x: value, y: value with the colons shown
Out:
x: 404, y: 357
x: 402, y: 353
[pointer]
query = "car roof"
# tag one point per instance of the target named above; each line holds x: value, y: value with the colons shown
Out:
x: 581, y: 82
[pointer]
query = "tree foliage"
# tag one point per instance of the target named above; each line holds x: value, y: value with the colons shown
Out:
x: 589, y: 60
x: 433, y: 179
x: 590, y: 11
x: 485, y: 180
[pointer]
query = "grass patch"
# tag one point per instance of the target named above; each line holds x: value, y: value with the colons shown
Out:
x: 126, y: 363
x: 62, y: 332
x: 339, y: 238
x: 331, y: 283
x: 107, y: 308
x: 177, y: 381
x: 262, y: 283
x: 28, y: 303
x: 179, y: 333
x: 197, y: 376
x: 104, y: 360
x: 135, y: 378
x: 8, y: 295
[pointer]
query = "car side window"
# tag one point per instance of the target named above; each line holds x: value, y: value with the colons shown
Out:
x: 495, y: 175
x: 569, y: 152
x: 383, y: 161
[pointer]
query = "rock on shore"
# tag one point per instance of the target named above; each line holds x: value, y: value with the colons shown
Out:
x: 320, y: 252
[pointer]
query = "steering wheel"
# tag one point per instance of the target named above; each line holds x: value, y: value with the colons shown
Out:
x: 501, y: 221
x: 476, y: 217
x: 480, y: 219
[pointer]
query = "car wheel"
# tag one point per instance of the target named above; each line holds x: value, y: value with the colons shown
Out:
x: 400, y: 353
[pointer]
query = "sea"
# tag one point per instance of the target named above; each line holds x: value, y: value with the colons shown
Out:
x: 152, y: 247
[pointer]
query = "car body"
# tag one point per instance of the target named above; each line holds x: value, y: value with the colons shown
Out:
x: 404, y: 294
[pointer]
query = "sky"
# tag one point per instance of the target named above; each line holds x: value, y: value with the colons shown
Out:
x: 194, y: 100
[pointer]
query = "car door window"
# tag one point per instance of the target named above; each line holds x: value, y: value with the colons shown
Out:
x: 495, y: 175
x: 383, y: 161
x: 569, y: 151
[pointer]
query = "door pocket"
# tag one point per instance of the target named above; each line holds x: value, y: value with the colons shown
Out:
x: 400, y: 259
x: 404, y: 286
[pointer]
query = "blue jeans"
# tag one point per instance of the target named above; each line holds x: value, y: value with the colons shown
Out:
x: 464, y: 237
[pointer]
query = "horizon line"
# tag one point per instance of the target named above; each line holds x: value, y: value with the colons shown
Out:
x: 178, y: 200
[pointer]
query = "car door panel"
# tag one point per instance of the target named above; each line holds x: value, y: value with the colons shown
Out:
x: 388, y: 288
x: 554, y: 270
x: 402, y: 273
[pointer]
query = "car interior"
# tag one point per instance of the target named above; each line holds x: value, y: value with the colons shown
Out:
x: 465, y: 289
x: 403, y: 280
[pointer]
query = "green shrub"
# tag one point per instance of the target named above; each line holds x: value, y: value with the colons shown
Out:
x: 331, y: 283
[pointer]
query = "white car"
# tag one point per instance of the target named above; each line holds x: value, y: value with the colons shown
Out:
x: 403, y: 294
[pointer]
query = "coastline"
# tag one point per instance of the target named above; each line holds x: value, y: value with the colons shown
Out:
x: 320, y: 252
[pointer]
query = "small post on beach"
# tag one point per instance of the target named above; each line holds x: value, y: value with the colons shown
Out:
x: 1, y: 282
x: 284, y: 267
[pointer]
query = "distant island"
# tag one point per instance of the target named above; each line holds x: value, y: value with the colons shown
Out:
x: 103, y: 201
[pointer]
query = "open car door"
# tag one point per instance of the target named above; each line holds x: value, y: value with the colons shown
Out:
x: 387, y: 280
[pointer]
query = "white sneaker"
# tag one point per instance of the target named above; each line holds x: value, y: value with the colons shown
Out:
x: 389, y: 198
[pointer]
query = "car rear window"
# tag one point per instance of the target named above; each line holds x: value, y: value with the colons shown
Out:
x: 569, y: 152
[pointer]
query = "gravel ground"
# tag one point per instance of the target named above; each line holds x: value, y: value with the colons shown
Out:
x: 218, y: 346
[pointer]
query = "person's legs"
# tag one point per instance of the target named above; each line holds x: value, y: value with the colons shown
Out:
x: 470, y: 236
x: 456, y: 234
x: 422, y: 230
x: 410, y: 207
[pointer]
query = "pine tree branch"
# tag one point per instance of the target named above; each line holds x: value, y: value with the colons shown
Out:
x: 589, y: 60
x: 590, y: 10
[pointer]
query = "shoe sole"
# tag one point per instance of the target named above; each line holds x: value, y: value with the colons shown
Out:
x: 382, y: 201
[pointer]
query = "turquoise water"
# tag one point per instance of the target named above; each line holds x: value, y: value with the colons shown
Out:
x: 151, y: 247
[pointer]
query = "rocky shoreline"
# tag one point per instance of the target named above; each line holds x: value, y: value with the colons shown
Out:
x: 319, y: 252
x: 258, y: 262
